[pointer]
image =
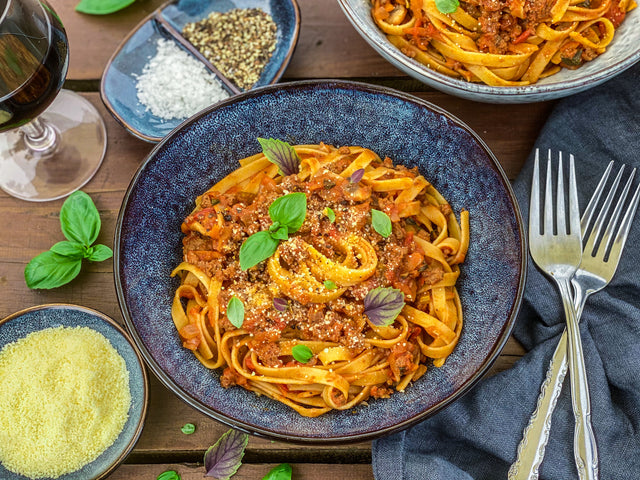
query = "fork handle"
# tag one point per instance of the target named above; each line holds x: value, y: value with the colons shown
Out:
x: 536, y: 433
x: 584, y: 443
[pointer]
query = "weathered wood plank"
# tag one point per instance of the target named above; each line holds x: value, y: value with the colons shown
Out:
x: 167, y: 414
x: 309, y: 471
x: 328, y: 46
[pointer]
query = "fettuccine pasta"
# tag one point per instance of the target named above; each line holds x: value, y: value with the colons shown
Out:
x: 501, y: 42
x: 325, y: 288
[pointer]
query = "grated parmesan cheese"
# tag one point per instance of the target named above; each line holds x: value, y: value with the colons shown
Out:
x: 64, y: 399
x: 173, y: 84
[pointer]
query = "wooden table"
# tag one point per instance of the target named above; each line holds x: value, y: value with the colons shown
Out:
x: 328, y: 47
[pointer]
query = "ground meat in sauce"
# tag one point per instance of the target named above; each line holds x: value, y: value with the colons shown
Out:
x: 500, y: 32
x: 229, y: 219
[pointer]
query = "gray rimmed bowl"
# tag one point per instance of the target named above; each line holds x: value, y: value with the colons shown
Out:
x: 33, y: 319
x: 148, y: 242
x: 622, y: 53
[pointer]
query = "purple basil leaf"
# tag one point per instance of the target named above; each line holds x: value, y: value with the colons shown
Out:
x: 280, y: 304
x: 357, y: 175
x: 282, y: 154
x: 383, y: 304
x: 223, y: 459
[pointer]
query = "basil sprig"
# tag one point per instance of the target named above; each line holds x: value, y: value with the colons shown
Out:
x: 383, y: 304
x: 169, y: 475
x: 287, y: 214
x: 279, y: 472
x: 282, y: 154
x: 381, y: 222
x: 256, y: 248
x: 102, y: 7
x: 80, y: 224
x: 447, y: 6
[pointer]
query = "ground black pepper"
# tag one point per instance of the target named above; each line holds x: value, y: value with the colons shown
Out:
x: 239, y: 42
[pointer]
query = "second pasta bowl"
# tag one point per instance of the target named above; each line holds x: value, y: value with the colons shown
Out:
x: 620, y: 54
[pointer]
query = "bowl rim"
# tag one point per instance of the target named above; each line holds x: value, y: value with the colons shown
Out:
x: 319, y: 440
x: 531, y: 93
x: 145, y: 384
x: 150, y: 138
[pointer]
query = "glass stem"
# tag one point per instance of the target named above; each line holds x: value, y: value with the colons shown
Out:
x: 40, y: 137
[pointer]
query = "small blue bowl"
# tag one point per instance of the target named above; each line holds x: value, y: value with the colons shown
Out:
x: 33, y: 319
x: 118, y: 85
x: 148, y: 242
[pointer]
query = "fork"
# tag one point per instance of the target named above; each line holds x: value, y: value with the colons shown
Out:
x: 559, y: 255
x: 594, y: 273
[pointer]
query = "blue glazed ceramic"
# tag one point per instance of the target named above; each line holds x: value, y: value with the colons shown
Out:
x: 622, y: 53
x: 118, y: 85
x: 20, y: 324
x: 410, y: 131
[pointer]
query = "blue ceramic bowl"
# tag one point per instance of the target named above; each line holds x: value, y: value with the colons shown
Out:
x: 622, y: 53
x: 148, y: 242
x: 118, y: 85
x: 24, y: 322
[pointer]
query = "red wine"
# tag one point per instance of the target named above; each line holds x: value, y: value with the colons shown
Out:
x: 34, y: 58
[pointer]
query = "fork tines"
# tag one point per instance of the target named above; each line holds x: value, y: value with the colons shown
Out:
x: 609, y: 243
x: 563, y: 226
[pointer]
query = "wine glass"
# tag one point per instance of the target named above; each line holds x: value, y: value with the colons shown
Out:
x: 52, y: 141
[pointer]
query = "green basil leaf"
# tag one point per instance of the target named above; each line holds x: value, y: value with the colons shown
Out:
x: 302, y: 353
x: 102, y: 7
x: 99, y: 253
x: 51, y: 270
x: 256, y: 248
x: 69, y: 249
x: 281, y: 233
x: 447, y: 6
x: 188, y: 428
x: 282, y: 154
x: 330, y: 214
x: 168, y: 475
x: 329, y: 285
x: 235, y: 311
x: 383, y: 304
x: 79, y: 219
x: 574, y: 61
x: 289, y: 210
x: 223, y: 459
x: 281, y: 472
x: 381, y: 222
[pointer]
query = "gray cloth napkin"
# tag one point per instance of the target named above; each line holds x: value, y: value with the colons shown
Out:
x: 477, y: 436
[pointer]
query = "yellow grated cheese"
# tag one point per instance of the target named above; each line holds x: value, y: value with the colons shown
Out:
x: 64, y: 399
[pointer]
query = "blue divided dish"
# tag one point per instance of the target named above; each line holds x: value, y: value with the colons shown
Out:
x: 148, y: 243
x: 33, y: 319
x: 118, y: 86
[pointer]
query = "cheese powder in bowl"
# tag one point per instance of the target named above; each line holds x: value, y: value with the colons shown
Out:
x: 64, y: 399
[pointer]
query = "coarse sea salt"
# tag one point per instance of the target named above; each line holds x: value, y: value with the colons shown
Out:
x: 173, y: 84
